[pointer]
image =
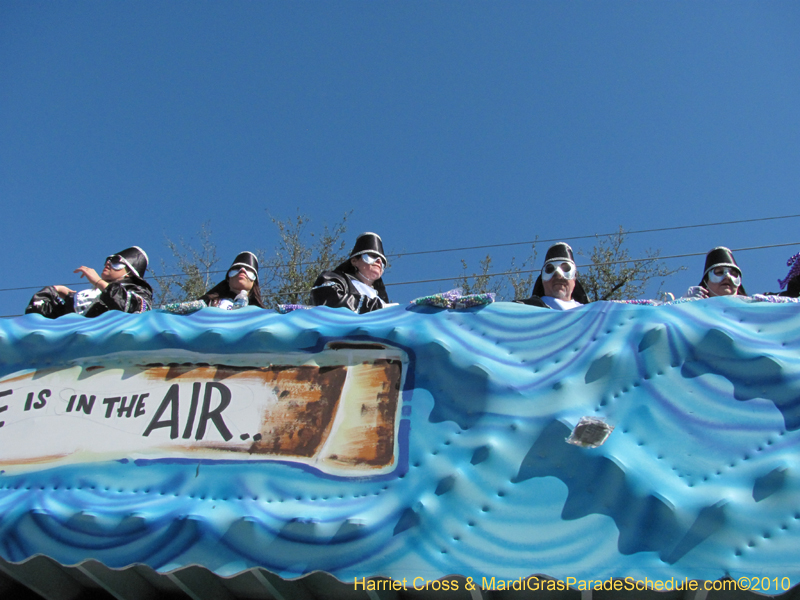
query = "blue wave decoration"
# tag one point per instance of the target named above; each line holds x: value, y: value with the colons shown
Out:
x: 699, y: 478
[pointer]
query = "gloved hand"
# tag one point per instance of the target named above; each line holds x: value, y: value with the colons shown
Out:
x: 696, y: 291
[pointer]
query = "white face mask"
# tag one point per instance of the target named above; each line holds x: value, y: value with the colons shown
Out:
x: 250, y: 273
x: 566, y: 269
x: 735, y: 276
x: 372, y: 259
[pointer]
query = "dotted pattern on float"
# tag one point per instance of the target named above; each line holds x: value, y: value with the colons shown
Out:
x: 699, y: 478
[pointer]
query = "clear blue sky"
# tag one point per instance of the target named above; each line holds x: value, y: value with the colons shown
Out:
x: 440, y: 124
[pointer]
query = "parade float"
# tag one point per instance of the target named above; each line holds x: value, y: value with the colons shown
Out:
x: 242, y: 453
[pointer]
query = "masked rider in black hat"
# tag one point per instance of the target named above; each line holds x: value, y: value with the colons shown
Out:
x: 357, y: 283
x: 722, y: 276
x: 240, y: 286
x: 558, y: 286
x: 120, y: 286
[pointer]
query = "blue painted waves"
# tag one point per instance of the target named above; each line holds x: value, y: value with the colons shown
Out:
x: 699, y: 479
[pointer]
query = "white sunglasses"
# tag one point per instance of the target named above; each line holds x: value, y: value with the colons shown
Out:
x: 234, y: 272
x: 565, y: 269
x: 734, y: 274
x: 371, y: 259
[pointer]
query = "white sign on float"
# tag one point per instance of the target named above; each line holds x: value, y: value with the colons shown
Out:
x: 336, y: 410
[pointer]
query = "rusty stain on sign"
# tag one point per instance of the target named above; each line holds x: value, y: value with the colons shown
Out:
x: 338, y: 411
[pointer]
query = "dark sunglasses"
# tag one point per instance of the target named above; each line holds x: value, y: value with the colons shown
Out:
x: 115, y: 262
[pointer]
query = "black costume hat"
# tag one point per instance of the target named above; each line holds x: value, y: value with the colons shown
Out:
x: 245, y: 259
x: 366, y: 242
x: 369, y: 243
x: 721, y: 257
x: 134, y: 258
x: 560, y: 252
x: 223, y: 288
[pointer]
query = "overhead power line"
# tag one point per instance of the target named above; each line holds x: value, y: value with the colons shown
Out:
x: 616, y: 262
x: 585, y: 237
x: 500, y: 274
x: 485, y: 246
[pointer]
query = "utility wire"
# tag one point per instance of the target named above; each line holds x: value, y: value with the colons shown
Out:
x: 584, y: 237
x: 617, y: 262
x: 484, y: 246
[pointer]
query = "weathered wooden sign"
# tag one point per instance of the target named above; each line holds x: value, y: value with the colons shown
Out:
x: 336, y: 410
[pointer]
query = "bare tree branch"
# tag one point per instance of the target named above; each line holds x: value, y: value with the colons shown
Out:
x: 625, y: 278
x: 513, y: 284
x: 299, y: 258
x: 194, y: 265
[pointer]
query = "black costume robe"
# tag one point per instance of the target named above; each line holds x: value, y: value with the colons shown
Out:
x: 130, y: 295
